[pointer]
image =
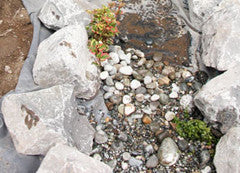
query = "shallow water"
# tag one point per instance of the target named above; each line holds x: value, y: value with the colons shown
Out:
x: 151, y: 26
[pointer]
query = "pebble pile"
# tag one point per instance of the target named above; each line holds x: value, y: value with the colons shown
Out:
x: 143, y: 97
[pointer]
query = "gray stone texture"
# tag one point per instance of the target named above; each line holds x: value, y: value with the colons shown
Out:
x: 65, y: 58
x: 219, y: 99
x: 227, y: 154
x: 35, y: 120
x: 62, y: 159
x: 56, y: 14
x: 220, y: 41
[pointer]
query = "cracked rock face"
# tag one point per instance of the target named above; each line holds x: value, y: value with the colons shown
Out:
x: 56, y: 14
x: 219, y: 99
x: 227, y: 154
x: 220, y: 41
x: 65, y: 58
x: 62, y: 158
x: 35, y: 120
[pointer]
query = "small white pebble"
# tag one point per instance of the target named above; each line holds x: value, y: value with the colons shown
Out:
x: 119, y: 86
x: 104, y: 75
x: 169, y: 116
x: 135, y: 84
x: 147, y: 80
x: 154, y: 98
x: 127, y: 99
x: 173, y: 95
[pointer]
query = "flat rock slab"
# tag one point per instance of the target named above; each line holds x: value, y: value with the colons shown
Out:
x: 62, y: 158
x: 35, y: 120
x: 227, y: 154
x: 64, y: 58
x: 219, y: 99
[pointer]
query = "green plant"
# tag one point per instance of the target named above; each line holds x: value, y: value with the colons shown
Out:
x: 103, y: 28
x: 194, y: 130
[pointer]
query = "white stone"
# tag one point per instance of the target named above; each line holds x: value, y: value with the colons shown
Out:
x: 129, y: 109
x: 113, y: 71
x: 107, y: 95
x: 126, y: 156
x: 114, y: 58
x: 140, y: 97
x: 168, y: 153
x: 104, y: 75
x: 7, y: 69
x: 124, y: 165
x: 108, y: 67
x: 186, y: 74
x: 135, y: 84
x: 169, y: 116
x: 175, y: 88
x: 139, y: 53
x: 64, y: 58
x: 147, y: 80
x: 141, y: 61
x: 187, y: 102
x: 123, y: 63
x: 227, y: 153
x: 219, y: 99
x: 35, y: 120
x: 62, y: 159
x: 155, y: 97
x: 126, y: 70
x: 119, y: 86
x: 173, y: 95
x: 127, y: 99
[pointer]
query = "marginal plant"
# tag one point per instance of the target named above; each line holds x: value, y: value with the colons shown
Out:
x: 194, y: 129
x: 103, y: 28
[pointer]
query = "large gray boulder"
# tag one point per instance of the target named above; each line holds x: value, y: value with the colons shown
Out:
x: 219, y: 99
x: 62, y: 158
x: 220, y: 41
x: 65, y: 58
x: 56, y: 14
x: 227, y: 154
x: 35, y: 120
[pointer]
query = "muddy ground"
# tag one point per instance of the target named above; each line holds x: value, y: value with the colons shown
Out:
x: 15, y: 40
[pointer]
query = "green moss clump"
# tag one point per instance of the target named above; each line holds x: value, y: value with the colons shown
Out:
x: 194, y: 130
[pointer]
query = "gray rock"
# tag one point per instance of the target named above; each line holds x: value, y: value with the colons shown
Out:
x: 161, y: 136
x: 109, y: 81
x: 100, y: 137
x: 219, y: 99
x: 220, y: 50
x: 65, y: 58
x: 164, y: 99
x: 169, y: 116
x: 114, y: 58
x: 149, y: 149
x: 62, y: 158
x: 56, y: 14
x: 204, y: 157
x: 152, y: 162
x: 135, y: 162
x: 141, y: 90
x: 36, y: 119
x: 126, y: 156
x: 123, y: 137
x: 168, y: 153
x: 227, y: 154
x: 116, y: 99
x: 182, y: 144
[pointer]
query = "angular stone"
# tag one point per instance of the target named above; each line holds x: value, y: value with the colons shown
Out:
x: 129, y: 109
x: 187, y: 102
x: 62, y: 158
x: 220, y: 50
x: 35, y: 120
x: 65, y: 58
x: 152, y: 162
x: 168, y: 153
x: 219, y: 99
x: 227, y: 154
x: 56, y: 14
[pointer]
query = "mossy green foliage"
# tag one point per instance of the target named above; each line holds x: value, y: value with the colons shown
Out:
x: 194, y: 129
x: 103, y: 28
